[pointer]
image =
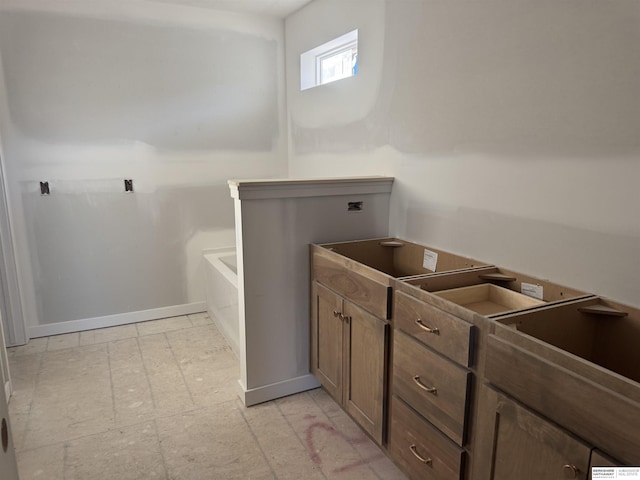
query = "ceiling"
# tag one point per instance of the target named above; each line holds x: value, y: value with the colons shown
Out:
x: 276, y: 8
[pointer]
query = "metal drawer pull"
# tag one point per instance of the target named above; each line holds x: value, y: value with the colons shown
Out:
x: 341, y: 316
x: 426, y: 328
x: 433, y: 390
x: 571, y: 471
x: 426, y: 461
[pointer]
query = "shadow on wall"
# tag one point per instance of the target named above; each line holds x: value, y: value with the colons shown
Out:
x: 73, y: 80
x: 537, y: 77
x: 601, y: 263
x: 103, y: 253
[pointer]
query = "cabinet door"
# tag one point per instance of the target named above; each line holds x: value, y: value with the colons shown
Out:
x: 527, y: 447
x: 365, y: 355
x: 327, y: 340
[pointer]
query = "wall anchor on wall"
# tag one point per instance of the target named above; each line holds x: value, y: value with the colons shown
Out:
x: 128, y: 185
x: 44, y: 188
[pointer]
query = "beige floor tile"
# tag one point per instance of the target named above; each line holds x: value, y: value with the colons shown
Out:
x: 111, y: 334
x: 72, y: 397
x: 128, y: 453
x: 59, y: 421
x: 211, y: 443
x: 133, y: 401
x: 35, y: 345
x: 163, y: 325
x: 24, y: 373
x: 208, y: 366
x: 111, y: 400
x: 18, y: 426
x: 199, y: 342
x: 60, y: 342
x: 168, y: 387
x: 198, y: 319
x: 44, y: 463
x: 330, y: 449
x: 328, y: 405
x: 125, y: 355
x: 24, y: 369
x: 368, y: 450
x: 285, y: 452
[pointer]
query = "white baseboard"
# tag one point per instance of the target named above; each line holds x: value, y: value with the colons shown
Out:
x: 272, y: 391
x: 115, y: 320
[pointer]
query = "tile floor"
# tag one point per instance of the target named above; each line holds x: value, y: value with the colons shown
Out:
x: 157, y: 400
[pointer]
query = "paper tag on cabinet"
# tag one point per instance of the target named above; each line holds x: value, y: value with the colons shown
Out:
x: 531, y: 290
x: 430, y: 260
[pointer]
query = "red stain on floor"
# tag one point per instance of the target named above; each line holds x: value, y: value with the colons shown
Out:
x: 315, y: 455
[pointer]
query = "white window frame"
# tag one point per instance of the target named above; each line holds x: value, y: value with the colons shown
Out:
x: 326, y: 55
x: 311, y: 60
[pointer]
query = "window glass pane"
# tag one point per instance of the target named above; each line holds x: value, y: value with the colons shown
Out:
x: 338, y: 65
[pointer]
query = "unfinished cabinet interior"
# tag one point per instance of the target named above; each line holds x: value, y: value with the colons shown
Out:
x: 349, y: 349
x: 394, y: 257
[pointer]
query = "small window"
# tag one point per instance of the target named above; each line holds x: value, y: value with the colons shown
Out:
x: 330, y: 61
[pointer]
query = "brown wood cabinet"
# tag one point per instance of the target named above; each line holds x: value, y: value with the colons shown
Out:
x: 420, y: 449
x: 348, y: 354
x: 488, y: 383
x: 529, y: 447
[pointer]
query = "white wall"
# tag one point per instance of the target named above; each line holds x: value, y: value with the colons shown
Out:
x: 511, y: 127
x: 177, y: 98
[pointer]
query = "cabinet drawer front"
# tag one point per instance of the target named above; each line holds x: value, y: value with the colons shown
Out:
x: 420, y: 449
x: 373, y: 296
x: 434, y: 386
x: 591, y: 411
x: 439, y: 330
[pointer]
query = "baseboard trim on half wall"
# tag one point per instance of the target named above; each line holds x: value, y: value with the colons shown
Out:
x: 115, y: 320
x: 265, y: 393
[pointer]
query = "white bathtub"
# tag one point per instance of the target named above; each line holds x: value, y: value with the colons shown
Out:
x: 222, y: 293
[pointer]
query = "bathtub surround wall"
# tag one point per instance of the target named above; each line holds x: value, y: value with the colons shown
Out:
x: 177, y: 98
x: 275, y: 223
x: 511, y: 127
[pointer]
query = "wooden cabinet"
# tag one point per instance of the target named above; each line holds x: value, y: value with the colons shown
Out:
x: 434, y: 386
x: 348, y: 354
x: 487, y: 383
x: 528, y: 447
x: 431, y: 387
x: 421, y: 450
x: 578, y: 365
x: 352, y: 304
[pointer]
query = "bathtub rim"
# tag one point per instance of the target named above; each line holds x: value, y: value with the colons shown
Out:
x: 213, y: 256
